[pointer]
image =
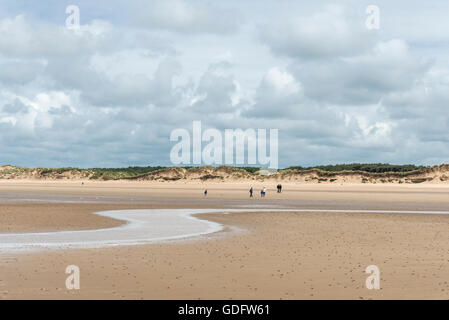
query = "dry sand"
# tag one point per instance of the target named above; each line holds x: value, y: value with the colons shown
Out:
x: 278, y: 255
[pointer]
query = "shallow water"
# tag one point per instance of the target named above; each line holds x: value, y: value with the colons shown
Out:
x: 144, y: 226
x: 141, y: 226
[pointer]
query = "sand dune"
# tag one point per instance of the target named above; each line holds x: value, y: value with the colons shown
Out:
x: 429, y: 175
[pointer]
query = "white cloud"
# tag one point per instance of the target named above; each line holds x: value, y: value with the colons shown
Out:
x: 282, y: 82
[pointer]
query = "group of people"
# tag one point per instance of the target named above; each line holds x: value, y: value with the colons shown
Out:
x: 262, y: 192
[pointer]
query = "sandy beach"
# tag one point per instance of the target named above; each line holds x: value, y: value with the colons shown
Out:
x: 257, y: 255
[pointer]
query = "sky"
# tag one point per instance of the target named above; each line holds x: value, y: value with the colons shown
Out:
x: 110, y: 93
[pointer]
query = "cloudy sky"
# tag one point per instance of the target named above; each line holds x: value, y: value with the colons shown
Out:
x: 110, y: 93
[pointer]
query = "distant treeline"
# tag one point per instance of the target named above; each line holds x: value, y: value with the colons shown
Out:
x: 365, y: 167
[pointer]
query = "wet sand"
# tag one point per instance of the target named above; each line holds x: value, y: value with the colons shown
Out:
x: 276, y: 255
x: 32, y: 217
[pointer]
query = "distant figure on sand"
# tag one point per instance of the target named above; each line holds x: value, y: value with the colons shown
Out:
x: 279, y: 187
x: 205, y: 192
x: 251, y: 192
x: 263, y: 192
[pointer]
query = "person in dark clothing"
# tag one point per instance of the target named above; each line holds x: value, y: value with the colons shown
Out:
x: 205, y: 192
x: 251, y: 192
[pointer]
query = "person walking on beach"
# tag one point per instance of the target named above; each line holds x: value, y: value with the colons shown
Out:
x: 205, y: 192
x: 279, y: 187
x: 251, y: 192
x: 262, y: 192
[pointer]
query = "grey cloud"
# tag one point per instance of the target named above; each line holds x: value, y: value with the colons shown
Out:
x: 20, y: 72
x: 20, y: 37
x: 333, y: 31
x: 97, y: 89
x: 279, y: 95
x: 63, y: 111
x: 214, y: 91
x: 15, y: 107
x: 360, y: 80
x: 189, y: 17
